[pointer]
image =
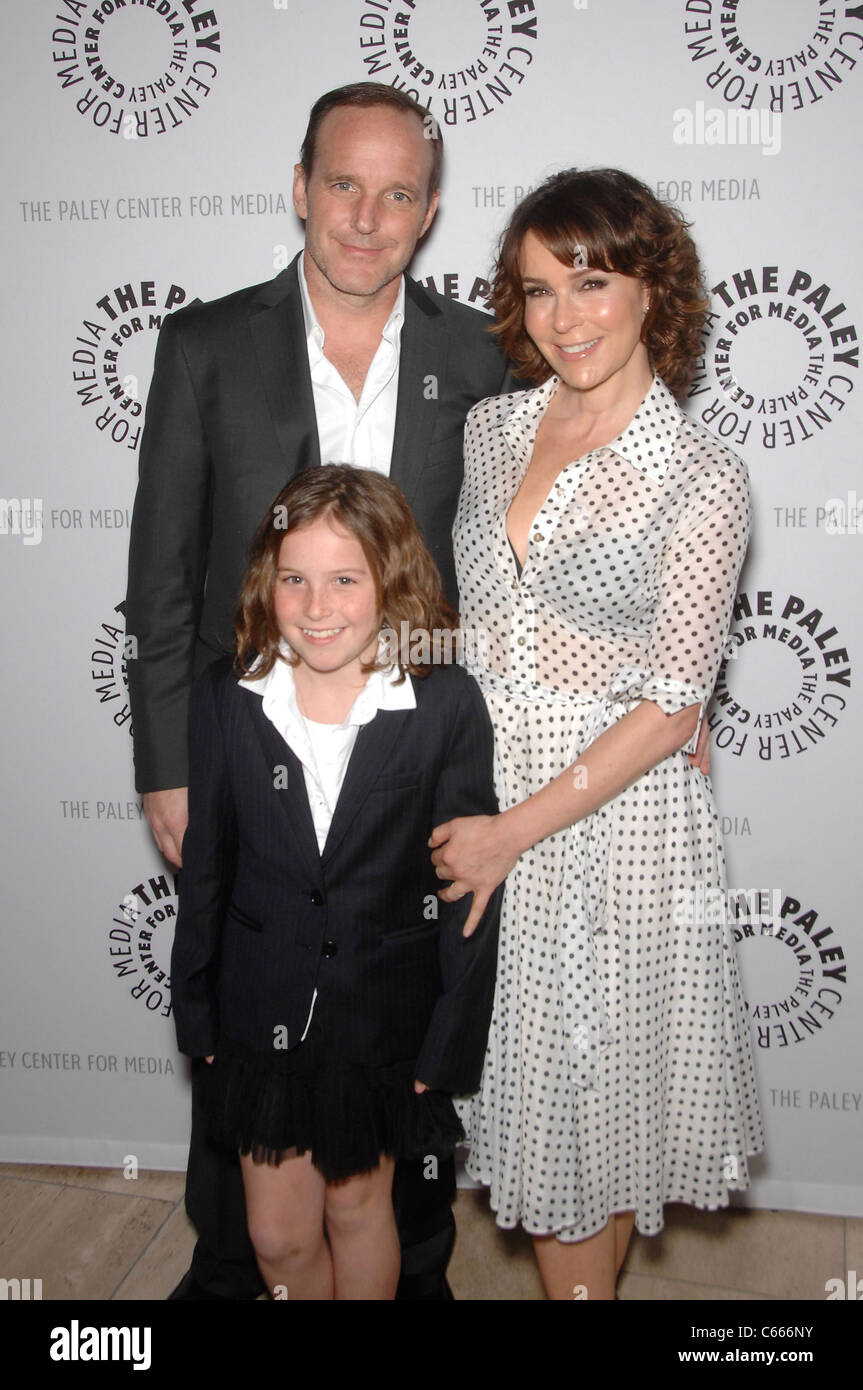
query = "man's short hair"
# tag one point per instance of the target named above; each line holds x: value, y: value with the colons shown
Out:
x: 372, y: 94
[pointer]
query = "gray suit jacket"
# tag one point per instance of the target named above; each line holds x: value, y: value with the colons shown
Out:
x: 230, y: 419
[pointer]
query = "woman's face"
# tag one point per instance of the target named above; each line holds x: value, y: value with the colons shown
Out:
x: 586, y: 323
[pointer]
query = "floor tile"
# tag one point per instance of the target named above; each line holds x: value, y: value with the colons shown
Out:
x: 163, y: 1263
x: 489, y: 1264
x: 643, y: 1288
x: 168, y: 1187
x: 79, y: 1242
x: 781, y: 1254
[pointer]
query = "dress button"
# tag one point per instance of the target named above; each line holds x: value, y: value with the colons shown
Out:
x: 329, y: 948
x: 316, y: 898
x: 538, y: 536
x: 521, y: 641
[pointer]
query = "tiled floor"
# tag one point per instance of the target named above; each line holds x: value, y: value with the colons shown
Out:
x: 89, y: 1233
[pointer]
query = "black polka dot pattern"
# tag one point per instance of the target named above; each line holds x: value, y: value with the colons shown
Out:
x: 619, y: 1070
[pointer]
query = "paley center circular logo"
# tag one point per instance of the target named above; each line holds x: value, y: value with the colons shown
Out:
x: 112, y: 648
x: 113, y: 353
x: 136, y: 68
x: 461, y: 59
x: 773, y: 57
x: 793, y: 966
x: 785, y: 681
x: 140, y: 938
x: 473, y: 290
x: 781, y: 357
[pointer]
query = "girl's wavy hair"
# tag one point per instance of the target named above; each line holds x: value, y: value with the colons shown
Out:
x: 372, y: 508
x: 608, y: 220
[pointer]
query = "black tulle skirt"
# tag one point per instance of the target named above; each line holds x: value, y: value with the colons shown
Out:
x: 313, y: 1100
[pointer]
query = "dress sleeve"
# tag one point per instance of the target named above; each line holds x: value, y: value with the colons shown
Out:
x: 698, y: 581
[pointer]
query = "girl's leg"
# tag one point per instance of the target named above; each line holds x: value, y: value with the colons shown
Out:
x: 362, y: 1232
x: 592, y: 1264
x: 285, y: 1210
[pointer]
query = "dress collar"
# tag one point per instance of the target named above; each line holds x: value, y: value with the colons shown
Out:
x: 647, y: 442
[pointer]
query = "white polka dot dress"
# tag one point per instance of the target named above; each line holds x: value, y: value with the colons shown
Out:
x: 619, y: 1070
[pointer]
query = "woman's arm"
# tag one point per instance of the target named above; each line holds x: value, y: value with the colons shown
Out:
x: 478, y: 852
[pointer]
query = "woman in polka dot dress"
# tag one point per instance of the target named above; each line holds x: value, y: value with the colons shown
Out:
x: 599, y: 539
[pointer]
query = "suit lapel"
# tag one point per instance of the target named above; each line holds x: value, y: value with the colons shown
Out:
x: 422, y: 370
x: 280, y: 345
x: 293, y: 798
x: 370, y: 756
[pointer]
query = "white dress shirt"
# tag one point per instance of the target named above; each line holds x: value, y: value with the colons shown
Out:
x: 325, y: 749
x: 350, y: 431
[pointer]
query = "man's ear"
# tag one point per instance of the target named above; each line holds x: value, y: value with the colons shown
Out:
x: 300, y: 202
x: 430, y: 212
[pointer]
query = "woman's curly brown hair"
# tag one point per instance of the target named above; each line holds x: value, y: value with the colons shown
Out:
x: 610, y: 221
x: 407, y: 581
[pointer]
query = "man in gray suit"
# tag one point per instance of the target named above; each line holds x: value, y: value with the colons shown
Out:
x: 340, y: 358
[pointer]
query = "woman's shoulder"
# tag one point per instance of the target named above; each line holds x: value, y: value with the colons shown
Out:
x: 709, y: 458
x: 487, y: 414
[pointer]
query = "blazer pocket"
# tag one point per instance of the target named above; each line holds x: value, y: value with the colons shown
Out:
x: 396, y: 782
x: 448, y: 450
x: 395, y: 938
x: 239, y: 916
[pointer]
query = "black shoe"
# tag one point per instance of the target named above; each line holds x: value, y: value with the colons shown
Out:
x: 189, y: 1288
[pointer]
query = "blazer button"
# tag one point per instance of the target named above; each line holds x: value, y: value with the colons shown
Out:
x: 316, y: 898
x: 329, y: 948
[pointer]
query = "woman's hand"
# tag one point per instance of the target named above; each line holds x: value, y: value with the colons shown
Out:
x: 419, y: 1087
x: 476, y: 853
x: 701, y: 757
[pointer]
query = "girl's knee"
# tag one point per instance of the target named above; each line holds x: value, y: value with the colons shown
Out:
x: 277, y: 1244
x: 359, y: 1199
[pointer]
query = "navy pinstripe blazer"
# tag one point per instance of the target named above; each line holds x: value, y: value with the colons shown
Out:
x: 265, y: 918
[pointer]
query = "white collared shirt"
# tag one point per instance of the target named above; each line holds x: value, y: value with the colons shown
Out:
x: 350, y: 431
x: 325, y: 749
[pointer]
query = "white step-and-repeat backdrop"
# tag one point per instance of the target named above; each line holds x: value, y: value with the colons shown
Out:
x: 149, y: 153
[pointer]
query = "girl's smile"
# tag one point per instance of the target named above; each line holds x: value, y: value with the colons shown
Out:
x: 325, y: 600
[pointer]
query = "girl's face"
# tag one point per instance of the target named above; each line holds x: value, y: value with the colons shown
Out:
x: 325, y: 603
x: 586, y: 323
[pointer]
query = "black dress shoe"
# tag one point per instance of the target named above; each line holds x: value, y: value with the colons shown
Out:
x: 189, y: 1288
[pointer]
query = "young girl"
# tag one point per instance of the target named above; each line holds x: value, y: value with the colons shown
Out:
x: 314, y: 965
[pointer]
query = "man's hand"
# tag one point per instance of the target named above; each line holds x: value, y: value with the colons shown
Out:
x: 701, y: 757
x: 474, y: 852
x: 168, y: 815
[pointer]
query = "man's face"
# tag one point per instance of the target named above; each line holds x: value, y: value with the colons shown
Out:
x: 365, y: 203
